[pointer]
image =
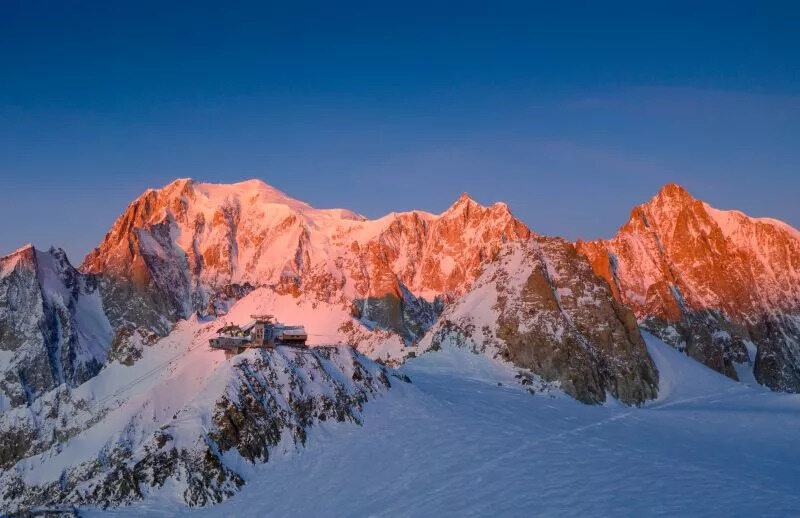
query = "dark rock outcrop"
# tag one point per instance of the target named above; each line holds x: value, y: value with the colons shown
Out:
x: 128, y: 344
x: 539, y: 305
x: 53, y: 329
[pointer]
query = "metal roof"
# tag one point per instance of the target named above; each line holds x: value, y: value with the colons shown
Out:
x: 248, y: 326
x: 293, y: 331
x: 263, y: 317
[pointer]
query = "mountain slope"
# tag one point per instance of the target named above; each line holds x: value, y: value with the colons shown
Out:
x: 538, y: 305
x: 175, y: 249
x: 719, y: 285
x: 186, y: 421
x: 464, y: 436
x: 455, y: 443
x: 53, y: 329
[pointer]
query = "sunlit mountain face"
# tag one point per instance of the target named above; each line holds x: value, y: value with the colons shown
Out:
x: 719, y: 285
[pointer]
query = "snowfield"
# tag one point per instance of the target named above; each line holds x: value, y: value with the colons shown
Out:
x: 466, y: 439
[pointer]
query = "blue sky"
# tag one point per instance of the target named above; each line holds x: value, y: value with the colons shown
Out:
x: 571, y: 113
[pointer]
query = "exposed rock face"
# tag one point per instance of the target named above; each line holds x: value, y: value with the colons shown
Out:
x: 223, y: 298
x: 711, y: 283
x: 128, y: 344
x: 52, y: 327
x: 53, y: 418
x: 175, y: 250
x: 403, y: 313
x: 539, y: 305
x: 263, y: 402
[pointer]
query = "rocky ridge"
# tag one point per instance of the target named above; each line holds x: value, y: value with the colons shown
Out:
x: 539, y: 305
x: 719, y: 285
x: 53, y: 329
x: 176, y: 249
x: 187, y: 429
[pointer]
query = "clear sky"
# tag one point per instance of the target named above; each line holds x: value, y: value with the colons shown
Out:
x: 571, y: 113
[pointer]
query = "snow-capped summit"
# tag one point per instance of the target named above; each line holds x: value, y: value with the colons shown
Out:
x: 175, y: 249
x: 718, y: 284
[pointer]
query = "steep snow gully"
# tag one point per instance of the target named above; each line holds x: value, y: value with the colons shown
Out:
x: 465, y: 439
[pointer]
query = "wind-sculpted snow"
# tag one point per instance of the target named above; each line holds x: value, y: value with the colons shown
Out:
x: 719, y: 285
x: 174, y: 250
x: 184, y: 421
x: 538, y: 305
x: 53, y: 329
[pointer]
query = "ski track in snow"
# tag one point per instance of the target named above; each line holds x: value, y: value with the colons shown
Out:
x: 457, y: 443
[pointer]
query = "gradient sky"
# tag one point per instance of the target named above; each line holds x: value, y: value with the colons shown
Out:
x: 570, y: 113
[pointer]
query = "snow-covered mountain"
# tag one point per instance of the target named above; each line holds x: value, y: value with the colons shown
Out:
x: 109, y: 393
x: 538, y: 305
x: 182, y: 419
x: 719, y: 285
x: 189, y: 246
x: 465, y: 439
x: 53, y: 330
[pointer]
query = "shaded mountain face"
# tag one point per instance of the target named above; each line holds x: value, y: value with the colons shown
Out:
x: 719, y: 285
x: 53, y: 329
x: 539, y: 305
x: 186, y: 247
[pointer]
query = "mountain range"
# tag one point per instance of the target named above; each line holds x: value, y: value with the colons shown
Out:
x: 95, y: 351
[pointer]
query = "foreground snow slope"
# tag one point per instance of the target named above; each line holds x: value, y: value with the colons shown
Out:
x: 456, y: 442
x: 181, y: 420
